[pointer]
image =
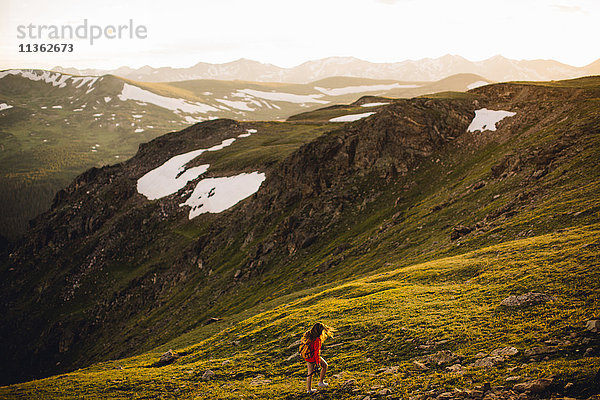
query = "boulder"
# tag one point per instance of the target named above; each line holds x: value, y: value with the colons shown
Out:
x: 593, y: 325
x: 527, y: 299
x: 456, y: 369
x: 535, y: 386
x: 538, y: 351
x: 167, y: 357
x: 488, y: 362
x: 460, y: 231
x: 441, y: 357
x: 420, y: 366
x: 504, y: 351
x: 208, y: 374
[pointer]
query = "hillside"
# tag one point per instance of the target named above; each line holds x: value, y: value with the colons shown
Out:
x: 54, y: 126
x: 497, y: 68
x: 405, y: 229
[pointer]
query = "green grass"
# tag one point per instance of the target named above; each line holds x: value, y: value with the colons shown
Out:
x: 446, y: 304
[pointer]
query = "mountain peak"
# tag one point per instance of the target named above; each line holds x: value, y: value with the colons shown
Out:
x: 426, y: 69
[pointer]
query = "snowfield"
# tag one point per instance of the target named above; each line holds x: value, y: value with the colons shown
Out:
x: 351, y: 117
x: 476, y: 84
x: 131, y: 92
x: 363, y: 88
x: 373, y: 104
x: 215, y: 195
x: 238, y: 105
x: 287, y: 97
x: 84, y: 80
x: 486, y: 120
x: 211, y: 195
x: 173, y: 174
x: 53, y: 78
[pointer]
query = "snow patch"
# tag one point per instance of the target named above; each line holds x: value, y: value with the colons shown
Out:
x: 373, y: 104
x: 173, y: 175
x: 57, y: 107
x: 84, y: 80
x: 53, y: 78
x: 238, y: 105
x: 476, y: 84
x: 139, y: 130
x: 192, y: 120
x: 215, y: 195
x: 351, y: 117
x: 248, y: 133
x: 135, y: 93
x: 486, y: 120
x: 287, y: 97
x: 4, y: 106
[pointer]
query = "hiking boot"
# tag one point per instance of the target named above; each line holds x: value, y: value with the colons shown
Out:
x: 323, y: 384
x: 311, y: 391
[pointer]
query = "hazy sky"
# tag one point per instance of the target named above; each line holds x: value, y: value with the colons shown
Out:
x: 181, y: 33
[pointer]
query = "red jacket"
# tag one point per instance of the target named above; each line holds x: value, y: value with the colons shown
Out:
x: 316, y: 351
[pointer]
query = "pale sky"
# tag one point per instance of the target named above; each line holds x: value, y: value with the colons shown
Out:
x: 181, y: 33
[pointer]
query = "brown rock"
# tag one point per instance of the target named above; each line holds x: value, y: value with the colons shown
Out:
x: 535, y: 386
x: 420, y: 366
x: 460, y: 231
x: 526, y: 299
x: 505, y: 351
x: 167, y: 357
x: 208, y: 374
x: 593, y: 325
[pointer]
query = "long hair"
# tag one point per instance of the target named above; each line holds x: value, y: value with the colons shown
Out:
x: 317, y: 331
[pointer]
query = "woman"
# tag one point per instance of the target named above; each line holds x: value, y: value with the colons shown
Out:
x: 310, y: 349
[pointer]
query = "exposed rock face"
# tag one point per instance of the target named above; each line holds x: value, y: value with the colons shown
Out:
x: 527, y: 299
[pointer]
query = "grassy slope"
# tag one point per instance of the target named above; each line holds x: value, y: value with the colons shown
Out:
x: 447, y: 304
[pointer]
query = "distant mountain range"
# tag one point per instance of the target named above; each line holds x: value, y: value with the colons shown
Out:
x: 496, y: 68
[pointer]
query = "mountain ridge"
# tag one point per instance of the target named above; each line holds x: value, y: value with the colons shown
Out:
x: 496, y: 68
x: 57, y: 125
